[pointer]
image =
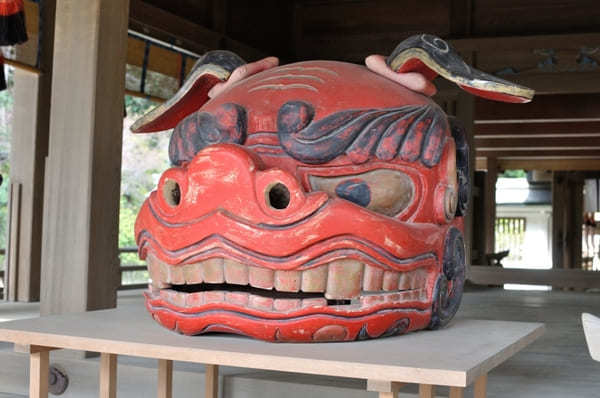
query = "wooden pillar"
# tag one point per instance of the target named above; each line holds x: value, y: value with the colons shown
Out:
x: 567, y: 217
x: 80, y: 239
x: 489, y: 205
x: 29, y: 147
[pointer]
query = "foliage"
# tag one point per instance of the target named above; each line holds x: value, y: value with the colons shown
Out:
x: 513, y: 174
x: 145, y: 158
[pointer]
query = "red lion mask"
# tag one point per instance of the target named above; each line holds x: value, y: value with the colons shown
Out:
x: 316, y: 201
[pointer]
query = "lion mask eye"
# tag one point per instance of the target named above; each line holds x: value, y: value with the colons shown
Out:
x: 384, y: 191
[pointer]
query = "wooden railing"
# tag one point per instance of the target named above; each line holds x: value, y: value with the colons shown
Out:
x: 130, y: 268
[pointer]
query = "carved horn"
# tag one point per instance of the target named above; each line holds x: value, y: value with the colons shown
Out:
x: 212, y: 68
x: 432, y: 56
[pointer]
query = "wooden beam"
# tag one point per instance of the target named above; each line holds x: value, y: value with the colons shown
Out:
x: 550, y: 129
x: 547, y: 164
x: 461, y: 18
x: 512, y: 43
x: 80, y: 255
x: 168, y: 27
x: 537, y: 143
x: 545, y: 83
x: 544, y: 108
x: 487, y: 275
x: 538, y: 153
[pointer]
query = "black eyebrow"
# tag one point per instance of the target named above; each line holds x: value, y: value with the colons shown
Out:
x: 411, y: 133
x: 198, y: 130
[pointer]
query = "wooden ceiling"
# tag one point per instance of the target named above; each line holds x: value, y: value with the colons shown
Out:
x: 552, y: 46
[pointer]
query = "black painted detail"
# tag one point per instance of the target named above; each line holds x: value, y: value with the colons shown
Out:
x: 462, y: 164
x: 443, y: 54
x: 200, y: 129
x: 363, y: 334
x: 225, y: 59
x: 449, y: 286
x: 414, y: 132
x: 399, y: 327
x: 355, y: 190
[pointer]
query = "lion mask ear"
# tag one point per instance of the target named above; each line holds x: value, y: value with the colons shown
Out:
x: 212, y: 68
x: 431, y: 56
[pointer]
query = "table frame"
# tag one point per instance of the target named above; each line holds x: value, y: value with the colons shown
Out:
x: 39, y: 363
x: 135, y: 334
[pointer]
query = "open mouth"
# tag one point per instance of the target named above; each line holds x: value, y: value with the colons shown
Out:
x: 343, y: 284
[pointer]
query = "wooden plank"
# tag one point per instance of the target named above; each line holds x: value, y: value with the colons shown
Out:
x: 456, y: 392
x: 165, y: 378
x: 426, y: 391
x: 169, y: 27
x: 38, y: 374
x: 539, y: 153
x: 506, y: 17
x: 486, y: 275
x: 514, y: 130
x: 532, y: 143
x: 461, y: 18
x: 480, y: 387
x: 568, y: 107
x: 483, y: 346
x: 511, y: 43
x: 211, y: 389
x: 559, y: 82
x: 571, y: 164
x: 108, y: 376
x: 79, y: 262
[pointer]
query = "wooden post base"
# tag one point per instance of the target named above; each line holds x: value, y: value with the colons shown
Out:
x: 165, y: 378
x: 108, y: 375
x: 38, y: 374
x: 212, y: 381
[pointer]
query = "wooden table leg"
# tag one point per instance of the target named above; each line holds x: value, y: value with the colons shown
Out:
x: 480, y: 386
x: 457, y: 392
x: 386, y: 389
x: 165, y: 378
x: 108, y: 375
x: 426, y: 391
x: 212, y: 381
x: 38, y: 374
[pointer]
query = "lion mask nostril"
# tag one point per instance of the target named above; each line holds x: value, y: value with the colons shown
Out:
x: 278, y: 196
x: 171, y: 193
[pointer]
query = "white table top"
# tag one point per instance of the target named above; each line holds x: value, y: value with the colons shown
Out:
x: 454, y: 356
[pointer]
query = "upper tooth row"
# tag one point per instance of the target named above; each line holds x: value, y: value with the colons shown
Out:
x: 339, y: 279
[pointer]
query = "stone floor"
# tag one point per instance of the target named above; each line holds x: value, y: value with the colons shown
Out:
x: 557, y: 365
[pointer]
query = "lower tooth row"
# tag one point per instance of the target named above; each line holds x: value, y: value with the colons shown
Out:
x: 339, y: 279
x: 191, y: 300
